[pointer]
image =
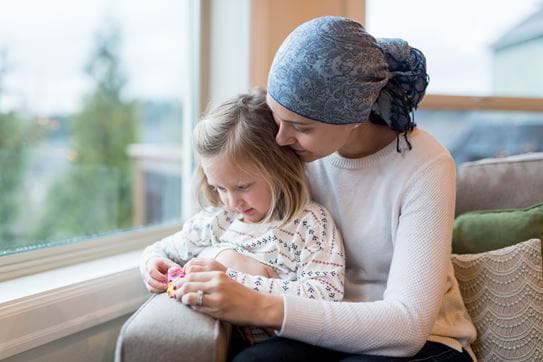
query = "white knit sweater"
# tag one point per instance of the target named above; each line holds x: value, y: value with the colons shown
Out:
x: 307, y: 253
x: 395, y: 212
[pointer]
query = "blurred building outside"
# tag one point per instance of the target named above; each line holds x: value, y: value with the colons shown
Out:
x: 517, y: 71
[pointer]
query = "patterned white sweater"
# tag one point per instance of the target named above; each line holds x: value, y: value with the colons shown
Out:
x: 307, y: 254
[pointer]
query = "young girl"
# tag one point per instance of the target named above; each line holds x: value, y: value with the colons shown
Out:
x: 260, y: 208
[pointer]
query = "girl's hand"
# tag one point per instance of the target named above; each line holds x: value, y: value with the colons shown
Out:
x: 155, y: 274
x: 196, y: 265
x: 233, y: 259
x: 226, y: 299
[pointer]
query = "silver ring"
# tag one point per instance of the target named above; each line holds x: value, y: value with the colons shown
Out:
x: 200, y: 297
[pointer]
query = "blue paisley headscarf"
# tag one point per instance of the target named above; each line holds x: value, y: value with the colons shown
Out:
x: 331, y: 70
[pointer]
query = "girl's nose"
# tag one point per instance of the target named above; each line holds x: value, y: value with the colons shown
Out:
x: 234, y: 201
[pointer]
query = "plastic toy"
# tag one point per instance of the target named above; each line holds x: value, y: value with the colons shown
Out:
x: 173, y: 273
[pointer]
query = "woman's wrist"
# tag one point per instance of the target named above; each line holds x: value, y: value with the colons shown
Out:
x: 271, y: 311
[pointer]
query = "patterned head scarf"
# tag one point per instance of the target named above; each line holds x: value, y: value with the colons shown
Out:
x: 331, y: 70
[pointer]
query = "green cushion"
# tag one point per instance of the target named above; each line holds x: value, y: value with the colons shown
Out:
x: 480, y: 231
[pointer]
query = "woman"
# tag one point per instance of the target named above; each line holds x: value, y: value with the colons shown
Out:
x: 344, y: 100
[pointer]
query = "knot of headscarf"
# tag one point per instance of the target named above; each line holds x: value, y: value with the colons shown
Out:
x: 331, y: 70
x: 405, y: 87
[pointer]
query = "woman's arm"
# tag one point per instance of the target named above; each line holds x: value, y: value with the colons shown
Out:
x: 400, y: 324
x: 226, y: 299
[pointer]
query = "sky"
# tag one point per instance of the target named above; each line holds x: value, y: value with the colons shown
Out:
x: 49, y: 42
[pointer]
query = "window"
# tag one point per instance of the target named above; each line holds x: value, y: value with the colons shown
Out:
x: 485, y: 61
x: 95, y: 97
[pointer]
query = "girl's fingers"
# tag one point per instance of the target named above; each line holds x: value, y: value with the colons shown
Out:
x: 155, y: 284
x: 157, y: 275
x: 154, y: 290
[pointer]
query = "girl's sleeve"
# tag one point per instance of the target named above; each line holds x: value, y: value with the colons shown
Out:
x: 399, y: 324
x: 317, y: 247
x: 180, y: 247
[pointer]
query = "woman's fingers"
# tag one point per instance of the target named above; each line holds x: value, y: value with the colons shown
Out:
x: 197, y: 261
x: 195, y: 269
x: 187, y: 293
x: 202, y: 264
x: 203, y: 276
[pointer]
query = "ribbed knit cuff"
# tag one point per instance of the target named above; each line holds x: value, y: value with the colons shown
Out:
x: 301, y: 321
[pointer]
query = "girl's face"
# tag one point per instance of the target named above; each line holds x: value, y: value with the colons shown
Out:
x: 310, y: 139
x: 240, y: 191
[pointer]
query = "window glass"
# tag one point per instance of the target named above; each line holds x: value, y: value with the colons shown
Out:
x: 473, y: 135
x: 484, y: 47
x: 91, y: 98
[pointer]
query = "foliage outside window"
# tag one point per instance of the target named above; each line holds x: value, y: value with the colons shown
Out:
x: 90, y: 97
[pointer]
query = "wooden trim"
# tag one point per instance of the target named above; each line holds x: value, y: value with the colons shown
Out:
x: 445, y: 102
x: 272, y: 20
x: 356, y: 10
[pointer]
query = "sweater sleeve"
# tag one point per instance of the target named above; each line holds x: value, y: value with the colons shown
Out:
x: 320, y: 270
x: 180, y: 247
x: 399, y: 324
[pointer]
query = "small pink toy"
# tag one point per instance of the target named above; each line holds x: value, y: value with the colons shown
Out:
x: 173, y: 273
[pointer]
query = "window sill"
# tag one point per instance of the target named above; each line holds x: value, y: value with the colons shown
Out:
x: 48, y: 258
x: 44, y: 307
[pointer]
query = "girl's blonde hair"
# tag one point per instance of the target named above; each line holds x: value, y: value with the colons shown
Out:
x: 242, y: 130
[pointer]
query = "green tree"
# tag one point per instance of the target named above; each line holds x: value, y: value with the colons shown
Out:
x: 12, y: 163
x: 96, y: 194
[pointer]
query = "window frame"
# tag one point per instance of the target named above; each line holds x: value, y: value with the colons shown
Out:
x: 482, y: 103
x: 47, y: 258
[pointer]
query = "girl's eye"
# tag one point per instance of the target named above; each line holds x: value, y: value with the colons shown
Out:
x: 243, y: 187
x: 219, y: 189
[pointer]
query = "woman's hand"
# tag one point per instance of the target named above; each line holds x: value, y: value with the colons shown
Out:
x: 226, y: 299
x: 239, y: 262
x: 155, y: 274
x: 197, y: 265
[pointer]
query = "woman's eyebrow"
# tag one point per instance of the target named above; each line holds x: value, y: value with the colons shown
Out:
x: 276, y: 116
x: 295, y: 122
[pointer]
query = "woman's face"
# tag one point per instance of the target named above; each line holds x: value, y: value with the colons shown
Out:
x: 310, y: 139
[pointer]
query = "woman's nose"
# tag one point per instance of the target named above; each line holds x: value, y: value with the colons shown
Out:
x: 283, y: 137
